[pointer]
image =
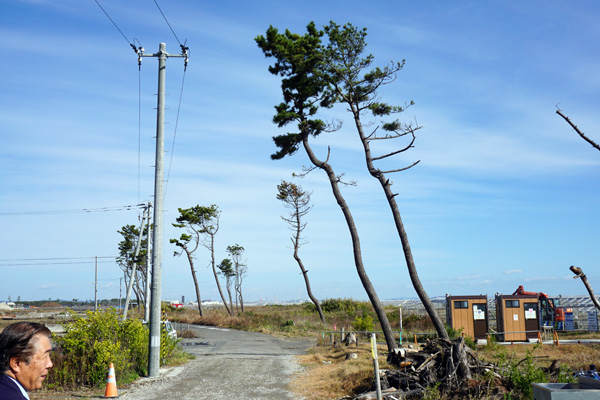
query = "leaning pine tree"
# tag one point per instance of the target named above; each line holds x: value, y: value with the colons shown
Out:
x: 357, y: 86
x: 298, y: 60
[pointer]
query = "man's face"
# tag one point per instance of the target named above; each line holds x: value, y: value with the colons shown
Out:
x: 32, y: 374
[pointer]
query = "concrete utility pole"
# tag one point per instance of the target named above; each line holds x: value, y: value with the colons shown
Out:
x: 148, y: 266
x: 155, y: 298
x: 96, y: 286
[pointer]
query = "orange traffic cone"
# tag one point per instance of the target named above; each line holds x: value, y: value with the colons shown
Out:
x: 111, y: 384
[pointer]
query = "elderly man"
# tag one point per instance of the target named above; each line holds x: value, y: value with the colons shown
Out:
x: 24, y: 359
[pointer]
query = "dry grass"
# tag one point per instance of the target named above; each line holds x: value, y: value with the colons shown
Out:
x: 328, y: 375
x: 572, y: 356
x: 283, y: 321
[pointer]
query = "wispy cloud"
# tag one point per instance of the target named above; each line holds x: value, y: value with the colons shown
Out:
x: 48, y: 286
x: 513, y: 271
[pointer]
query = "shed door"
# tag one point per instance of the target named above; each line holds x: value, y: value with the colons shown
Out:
x: 531, y: 320
x: 479, y: 321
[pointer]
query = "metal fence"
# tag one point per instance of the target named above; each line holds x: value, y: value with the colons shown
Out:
x: 582, y: 307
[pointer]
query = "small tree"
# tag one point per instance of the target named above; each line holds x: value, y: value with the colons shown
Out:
x: 226, y: 269
x: 202, y: 224
x: 298, y: 201
x: 240, y: 270
x: 126, y: 260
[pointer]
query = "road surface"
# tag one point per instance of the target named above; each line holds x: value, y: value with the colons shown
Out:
x: 229, y: 364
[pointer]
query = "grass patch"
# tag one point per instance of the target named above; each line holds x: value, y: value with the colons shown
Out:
x: 328, y: 374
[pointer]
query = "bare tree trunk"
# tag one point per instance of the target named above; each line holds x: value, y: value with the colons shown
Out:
x: 230, y: 299
x: 189, y: 256
x: 235, y: 289
x: 579, y: 274
x: 410, y: 263
x: 220, y: 290
x: 214, y: 268
x: 241, y: 300
x: 368, y: 286
x: 141, y: 284
x: 308, y: 289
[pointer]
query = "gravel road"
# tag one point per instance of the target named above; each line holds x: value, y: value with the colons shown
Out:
x: 229, y: 364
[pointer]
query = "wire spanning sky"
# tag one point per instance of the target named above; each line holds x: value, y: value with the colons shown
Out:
x: 506, y: 193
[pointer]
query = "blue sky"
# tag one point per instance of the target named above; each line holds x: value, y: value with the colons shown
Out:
x: 505, y: 194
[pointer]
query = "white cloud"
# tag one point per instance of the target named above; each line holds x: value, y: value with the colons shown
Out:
x: 513, y: 271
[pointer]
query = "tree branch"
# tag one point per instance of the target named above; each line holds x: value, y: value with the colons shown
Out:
x: 579, y: 274
x: 401, y: 169
x: 397, y: 151
x: 590, y: 141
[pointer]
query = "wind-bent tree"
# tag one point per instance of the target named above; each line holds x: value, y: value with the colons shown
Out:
x: 579, y: 274
x: 304, y: 88
x: 576, y: 270
x: 298, y: 201
x: 240, y: 269
x: 226, y: 269
x: 126, y: 260
x: 202, y: 223
x: 356, y: 85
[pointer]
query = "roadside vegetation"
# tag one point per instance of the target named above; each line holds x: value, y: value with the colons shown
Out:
x: 83, y: 354
x: 96, y: 339
x: 328, y: 374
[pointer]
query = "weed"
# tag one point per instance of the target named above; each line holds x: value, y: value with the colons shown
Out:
x: 433, y: 392
x: 363, y: 324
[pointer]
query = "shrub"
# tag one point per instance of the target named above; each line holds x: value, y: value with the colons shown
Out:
x: 344, y: 305
x: 90, y: 344
x: 419, y: 323
x: 363, y: 324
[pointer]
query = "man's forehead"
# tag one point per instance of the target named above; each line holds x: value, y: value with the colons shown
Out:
x: 42, y: 342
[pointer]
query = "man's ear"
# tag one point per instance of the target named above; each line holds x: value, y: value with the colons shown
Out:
x: 14, y: 364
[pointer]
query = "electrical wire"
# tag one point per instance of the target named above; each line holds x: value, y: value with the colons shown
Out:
x: 54, y: 258
x: 139, y: 130
x: 55, y: 263
x: 175, y: 132
x: 83, y: 210
x: 20, y: 262
x: 113, y: 22
x: 163, y: 14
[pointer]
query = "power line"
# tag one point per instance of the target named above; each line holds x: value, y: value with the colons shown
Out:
x: 163, y: 14
x: 54, y: 263
x: 175, y: 132
x: 54, y: 258
x: 113, y: 22
x: 74, y: 211
x: 139, y: 128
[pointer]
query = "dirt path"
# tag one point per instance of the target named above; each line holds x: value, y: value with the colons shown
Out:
x: 229, y: 364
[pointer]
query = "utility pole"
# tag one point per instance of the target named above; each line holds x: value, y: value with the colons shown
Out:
x: 148, y: 265
x: 96, y: 287
x: 155, y: 299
